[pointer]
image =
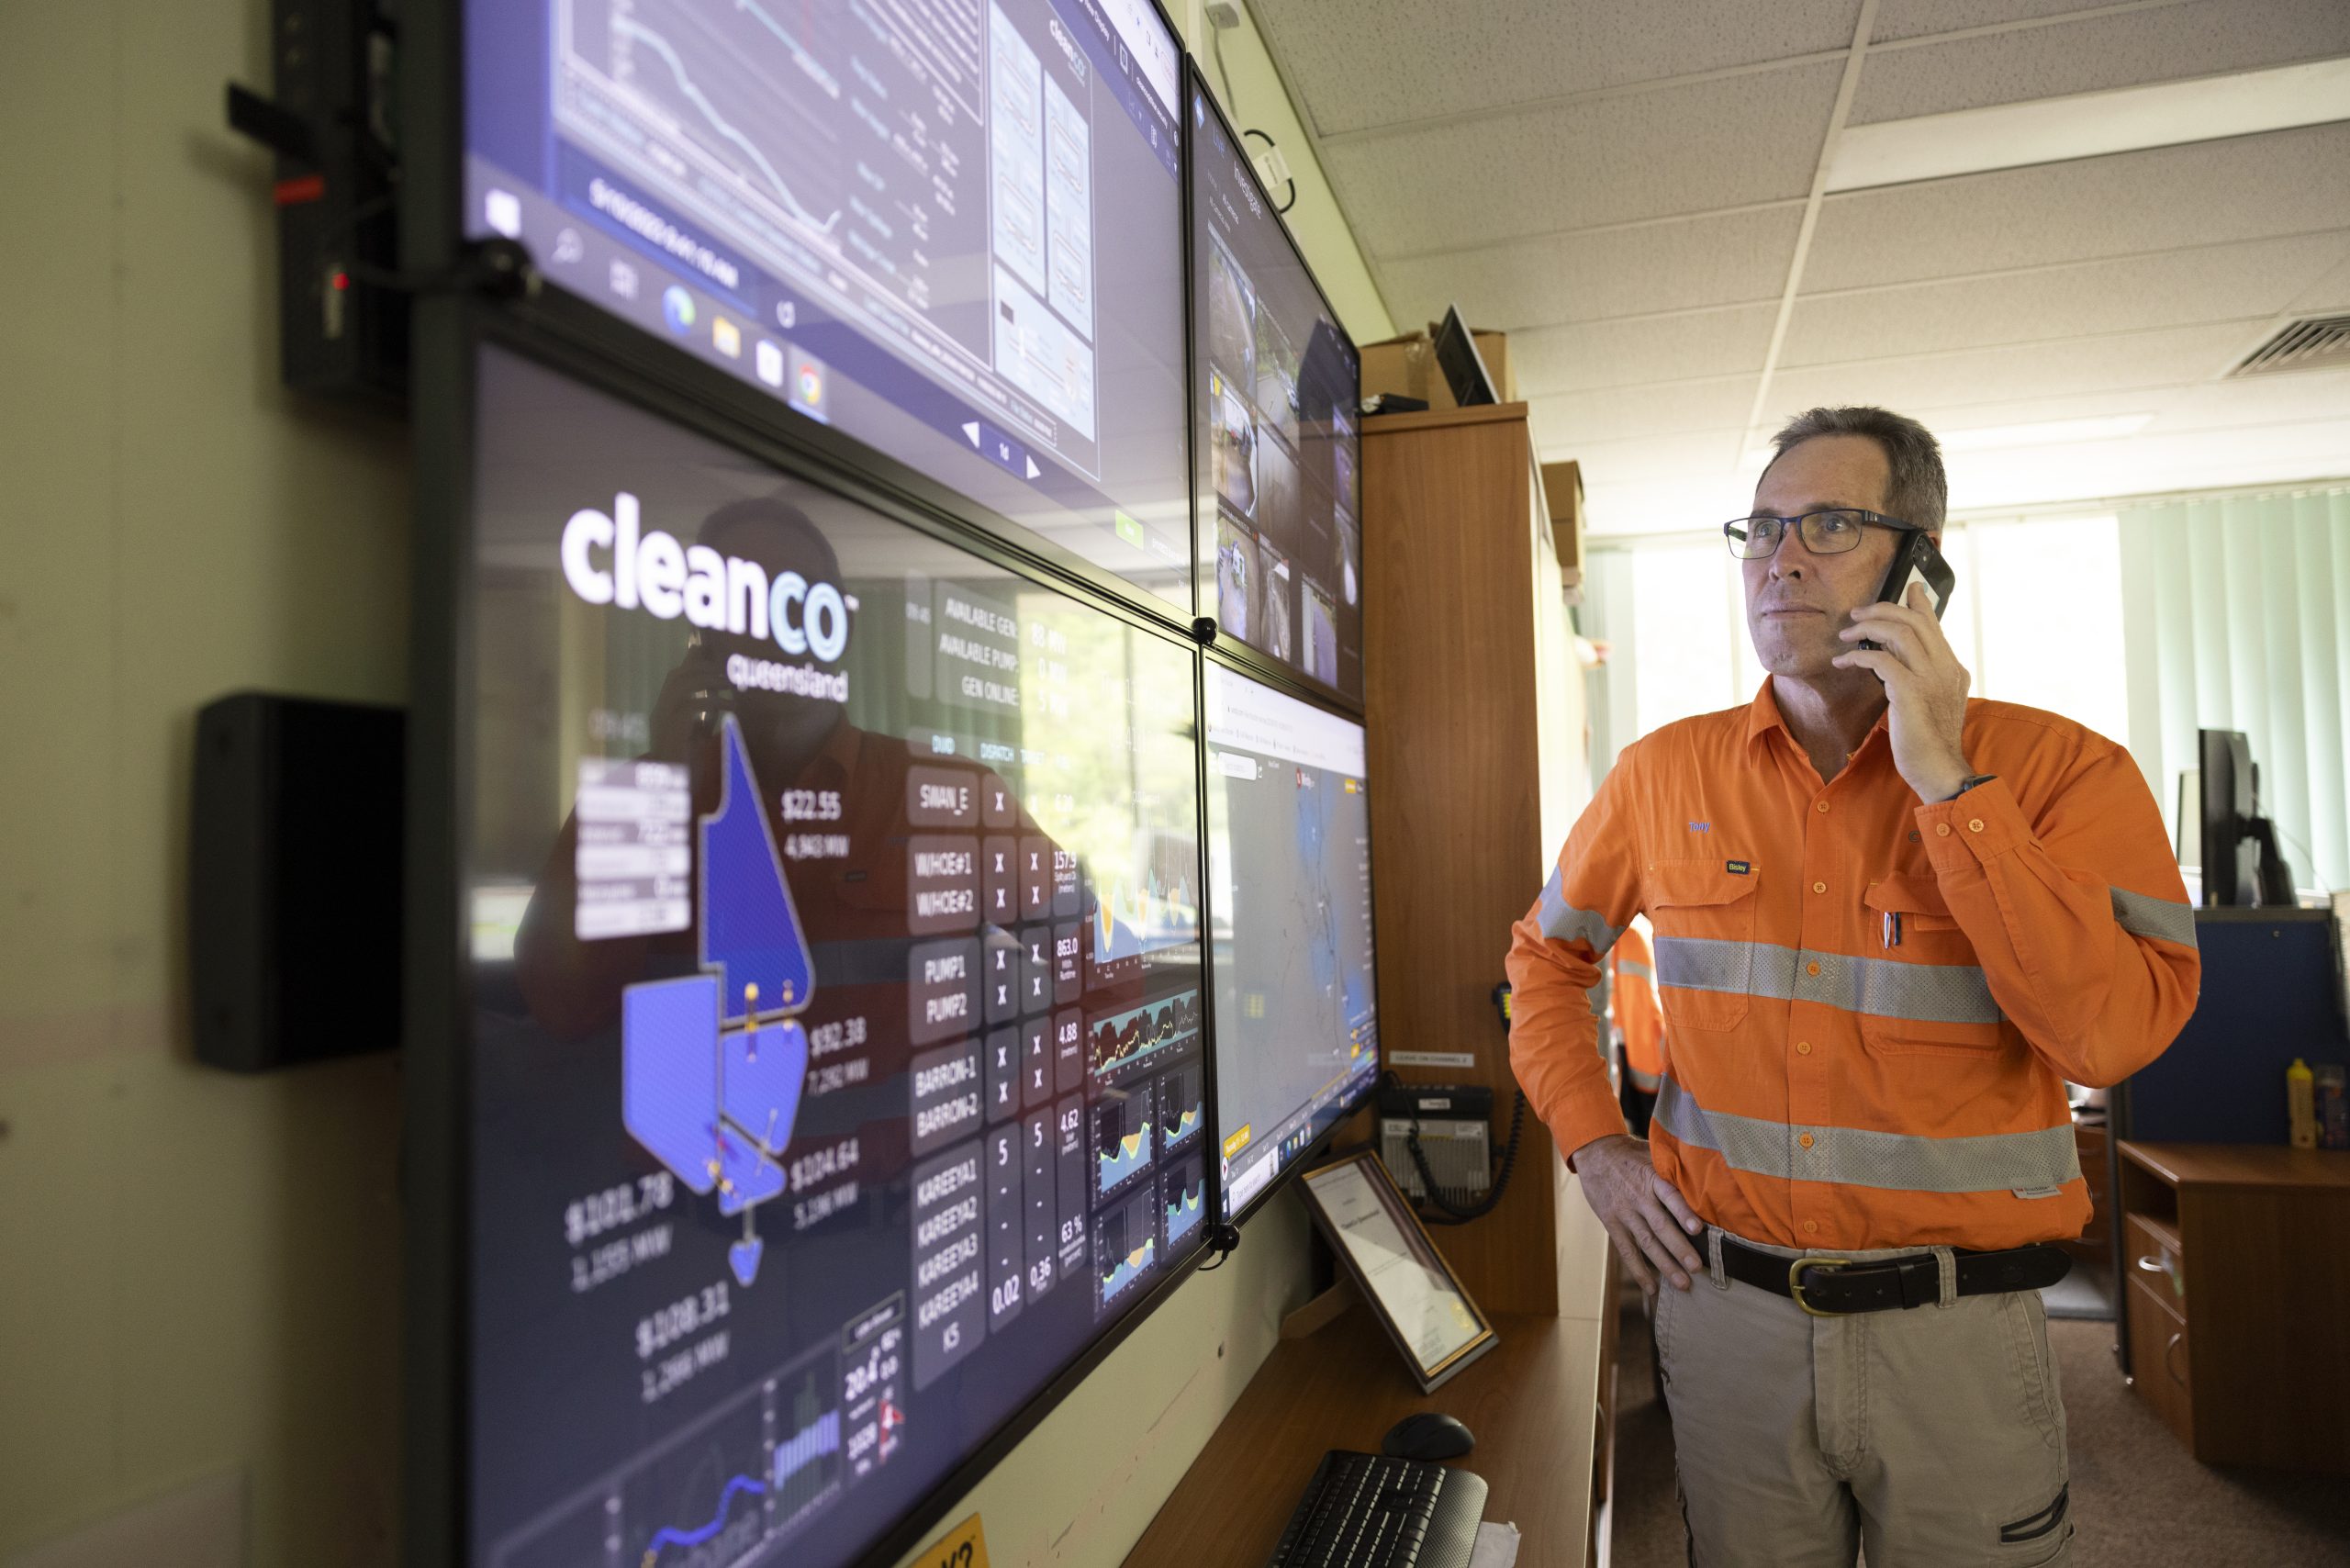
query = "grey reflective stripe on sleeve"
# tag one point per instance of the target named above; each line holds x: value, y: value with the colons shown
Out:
x: 1883, y: 988
x: 2158, y: 918
x: 1995, y: 1162
x: 1630, y: 968
x: 1562, y: 922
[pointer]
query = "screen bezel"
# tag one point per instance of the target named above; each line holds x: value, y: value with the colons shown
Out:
x: 433, y: 241
x: 1313, y: 694
x: 1242, y: 654
x: 438, y: 969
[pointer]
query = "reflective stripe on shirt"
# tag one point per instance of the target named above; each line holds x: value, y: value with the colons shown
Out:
x: 1887, y: 988
x: 1993, y: 1162
x: 2158, y: 918
x: 1562, y: 922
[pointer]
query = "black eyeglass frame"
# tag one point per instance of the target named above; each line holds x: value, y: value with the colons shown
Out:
x: 1868, y: 519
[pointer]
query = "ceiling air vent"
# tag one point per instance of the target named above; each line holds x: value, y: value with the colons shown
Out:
x: 2313, y: 342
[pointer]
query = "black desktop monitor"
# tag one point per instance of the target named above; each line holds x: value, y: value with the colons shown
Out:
x: 1275, y: 379
x: 2241, y: 861
x: 828, y: 1056
x: 1464, y: 368
x: 1296, y: 1017
x: 953, y: 232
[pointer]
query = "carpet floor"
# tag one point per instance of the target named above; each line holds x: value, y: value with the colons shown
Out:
x: 2139, y: 1498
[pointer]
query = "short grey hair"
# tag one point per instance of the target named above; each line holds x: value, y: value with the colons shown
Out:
x: 1916, y: 491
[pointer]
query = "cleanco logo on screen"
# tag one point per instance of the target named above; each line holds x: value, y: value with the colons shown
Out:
x: 611, y: 558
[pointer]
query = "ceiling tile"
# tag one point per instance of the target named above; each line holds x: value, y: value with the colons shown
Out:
x: 2165, y: 44
x: 1686, y: 504
x: 1360, y: 64
x: 2148, y: 465
x: 1922, y: 18
x: 2166, y: 358
x: 2258, y: 401
x: 1618, y: 354
x: 2248, y: 187
x: 1971, y: 414
x: 1678, y: 150
x: 2216, y: 283
x: 1735, y: 258
x: 1648, y: 457
x: 1626, y: 413
x: 2328, y: 293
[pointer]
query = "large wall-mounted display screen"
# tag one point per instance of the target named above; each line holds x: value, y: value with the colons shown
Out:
x: 953, y: 229
x: 1274, y: 386
x: 835, y: 1077
x: 1297, y: 1022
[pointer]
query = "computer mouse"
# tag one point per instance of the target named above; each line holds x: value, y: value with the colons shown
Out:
x: 1431, y: 1434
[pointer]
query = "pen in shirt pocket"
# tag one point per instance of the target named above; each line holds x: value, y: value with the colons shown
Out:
x: 1892, y: 928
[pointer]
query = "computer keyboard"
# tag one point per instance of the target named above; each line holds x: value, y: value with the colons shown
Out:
x: 1362, y: 1510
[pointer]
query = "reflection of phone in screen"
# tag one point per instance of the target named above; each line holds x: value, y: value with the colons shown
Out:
x: 1917, y: 561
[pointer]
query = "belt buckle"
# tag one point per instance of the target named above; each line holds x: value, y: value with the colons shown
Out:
x: 1794, y: 1282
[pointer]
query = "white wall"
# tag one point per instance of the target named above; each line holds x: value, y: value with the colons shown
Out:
x: 199, y: 1273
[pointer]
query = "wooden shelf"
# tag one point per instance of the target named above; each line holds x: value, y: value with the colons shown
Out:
x: 2263, y: 1235
x: 1528, y: 1402
x: 2242, y: 1164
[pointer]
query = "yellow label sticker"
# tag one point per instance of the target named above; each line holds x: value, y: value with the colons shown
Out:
x: 964, y: 1546
x: 1237, y: 1142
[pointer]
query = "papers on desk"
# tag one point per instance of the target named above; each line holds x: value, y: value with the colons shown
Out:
x: 1496, y: 1546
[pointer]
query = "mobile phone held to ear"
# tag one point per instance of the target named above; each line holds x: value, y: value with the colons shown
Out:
x: 1917, y: 561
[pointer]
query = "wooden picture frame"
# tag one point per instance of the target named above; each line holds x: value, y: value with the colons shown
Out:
x: 1386, y: 1251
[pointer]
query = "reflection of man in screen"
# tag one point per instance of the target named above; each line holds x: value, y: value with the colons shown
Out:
x: 855, y: 909
x: 795, y: 743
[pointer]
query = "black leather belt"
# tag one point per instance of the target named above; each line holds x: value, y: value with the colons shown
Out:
x: 1834, y: 1287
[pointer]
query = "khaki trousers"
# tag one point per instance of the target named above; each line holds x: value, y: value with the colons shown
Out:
x: 1933, y: 1437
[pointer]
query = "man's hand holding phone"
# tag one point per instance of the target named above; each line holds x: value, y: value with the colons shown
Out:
x: 1925, y: 686
x: 1647, y: 1218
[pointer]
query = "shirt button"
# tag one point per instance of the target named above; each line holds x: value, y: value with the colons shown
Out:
x: 1821, y: 807
x: 1811, y: 968
x: 1810, y: 1226
x: 1974, y: 826
x: 1819, y: 887
x: 1941, y: 830
x: 1804, y: 1140
x: 1803, y: 1047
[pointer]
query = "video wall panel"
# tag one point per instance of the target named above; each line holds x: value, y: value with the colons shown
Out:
x: 835, y: 1075
x: 952, y: 228
x: 1276, y: 439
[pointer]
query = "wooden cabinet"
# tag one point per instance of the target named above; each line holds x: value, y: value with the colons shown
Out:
x: 2237, y: 1287
x: 1475, y: 720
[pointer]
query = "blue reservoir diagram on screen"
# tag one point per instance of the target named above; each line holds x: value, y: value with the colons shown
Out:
x: 713, y: 1064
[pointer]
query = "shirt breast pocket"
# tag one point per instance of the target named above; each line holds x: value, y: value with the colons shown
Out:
x: 1704, y: 916
x: 1923, y: 992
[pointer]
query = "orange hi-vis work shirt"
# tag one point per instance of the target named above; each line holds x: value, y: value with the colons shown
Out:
x: 1874, y: 1004
x: 1631, y: 995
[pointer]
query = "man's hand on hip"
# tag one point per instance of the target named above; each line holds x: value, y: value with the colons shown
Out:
x: 1645, y: 1216
x: 1925, y: 690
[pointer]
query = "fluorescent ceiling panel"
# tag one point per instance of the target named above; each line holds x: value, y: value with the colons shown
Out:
x: 2087, y: 125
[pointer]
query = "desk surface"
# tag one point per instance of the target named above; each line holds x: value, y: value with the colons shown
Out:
x: 2241, y: 1164
x: 1531, y: 1402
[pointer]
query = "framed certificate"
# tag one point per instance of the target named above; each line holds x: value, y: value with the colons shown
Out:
x: 1387, y: 1251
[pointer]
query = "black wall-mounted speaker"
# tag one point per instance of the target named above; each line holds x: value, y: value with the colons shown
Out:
x: 294, y: 880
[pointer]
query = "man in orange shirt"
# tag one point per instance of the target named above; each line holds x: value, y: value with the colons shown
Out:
x: 1890, y: 923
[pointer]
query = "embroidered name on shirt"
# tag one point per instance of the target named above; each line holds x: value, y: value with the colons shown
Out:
x: 1738, y: 868
x: 1701, y: 827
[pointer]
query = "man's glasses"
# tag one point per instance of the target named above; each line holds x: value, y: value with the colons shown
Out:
x: 1830, y: 532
